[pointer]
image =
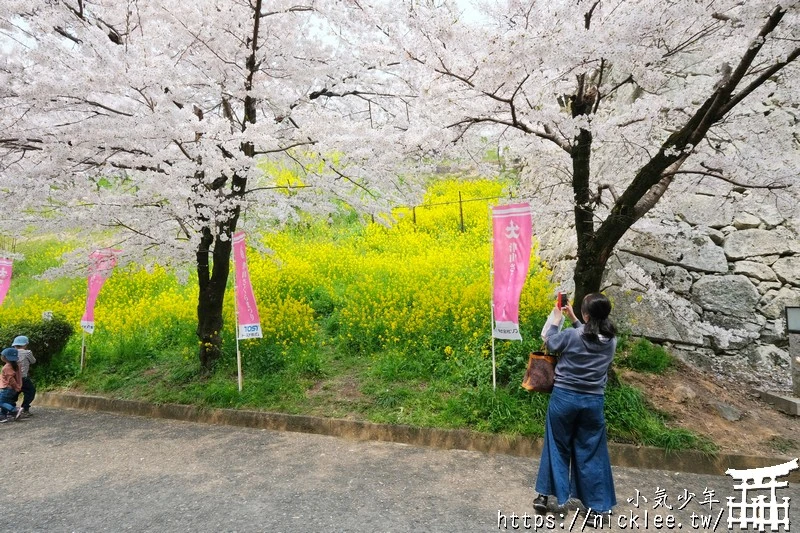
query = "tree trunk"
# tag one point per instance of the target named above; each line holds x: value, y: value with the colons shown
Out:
x: 588, y: 275
x: 212, y: 280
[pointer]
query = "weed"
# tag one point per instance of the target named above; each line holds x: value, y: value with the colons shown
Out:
x: 783, y: 444
x: 644, y: 356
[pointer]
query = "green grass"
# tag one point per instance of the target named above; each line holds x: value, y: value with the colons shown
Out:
x: 428, y: 390
x: 783, y: 445
x: 644, y: 356
x: 632, y: 419
x: 445, y: 381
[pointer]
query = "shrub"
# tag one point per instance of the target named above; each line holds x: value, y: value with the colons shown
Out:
x: 644, y: 356
x: 47, y: 337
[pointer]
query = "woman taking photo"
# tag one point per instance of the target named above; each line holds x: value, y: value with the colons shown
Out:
x: 575, y: 461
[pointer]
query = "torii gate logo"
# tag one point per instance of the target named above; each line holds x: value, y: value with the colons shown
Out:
x: 759, y: 512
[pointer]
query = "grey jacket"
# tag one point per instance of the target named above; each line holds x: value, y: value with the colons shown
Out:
x: 583, y: 365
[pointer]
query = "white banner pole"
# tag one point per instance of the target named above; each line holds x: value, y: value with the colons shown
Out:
x: 83, y: 351
x: 491, y: 296
x: 494, y: 364
x: 236, y: 330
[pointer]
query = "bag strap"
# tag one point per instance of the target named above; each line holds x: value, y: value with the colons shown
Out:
x: 546, y: 352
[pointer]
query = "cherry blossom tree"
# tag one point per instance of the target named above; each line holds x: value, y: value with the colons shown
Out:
x: 155, y: 127
x: 614, y: 105
x: 162, y: 124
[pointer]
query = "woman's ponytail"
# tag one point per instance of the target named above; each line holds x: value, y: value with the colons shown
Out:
x: 598, y: 308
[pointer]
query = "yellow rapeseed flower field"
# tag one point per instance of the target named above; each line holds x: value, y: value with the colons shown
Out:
x: 419, y: 284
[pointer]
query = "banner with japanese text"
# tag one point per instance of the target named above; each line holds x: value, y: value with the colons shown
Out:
x: 512, y: 232
x: 249, y: 324
x: 102, y: 263
x: 5, y: 277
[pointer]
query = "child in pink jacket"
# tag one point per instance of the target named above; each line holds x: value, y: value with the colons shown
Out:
x: 10, y: 385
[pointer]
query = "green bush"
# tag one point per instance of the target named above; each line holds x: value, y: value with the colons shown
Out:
x: 644, y: 356
x: 46, y: 338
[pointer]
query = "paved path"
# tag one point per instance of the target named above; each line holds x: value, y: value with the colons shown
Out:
x: 67, y: 470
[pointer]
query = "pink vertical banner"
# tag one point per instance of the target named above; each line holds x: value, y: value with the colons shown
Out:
x: 5, y: 277
x: 512, y: 232
x: 102, y: 263
x: 246, y: 310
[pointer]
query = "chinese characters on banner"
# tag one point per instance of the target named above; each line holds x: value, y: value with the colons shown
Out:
x: 5, y: 278
x: 102, y: 262
x: 511, y: 236
x: 246, y: 310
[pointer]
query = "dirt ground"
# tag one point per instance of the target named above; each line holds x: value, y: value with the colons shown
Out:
x: 709, y: 407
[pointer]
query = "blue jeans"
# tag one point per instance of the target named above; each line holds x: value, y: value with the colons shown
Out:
x: 8, y: 400
x: 28, y: 393
x: 575, y: 461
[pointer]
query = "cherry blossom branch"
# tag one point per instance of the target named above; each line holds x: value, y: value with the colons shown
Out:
x: 183, y: 150
x: 285, y: 148
x: 293, y: 9
x: 587, y: 17
x: 118, y: 223
x: 546, y: 134
x: 355, y: 92
x: 280, y: 187
x: 22, y: 144
x: 650, y: 181
x: 715, y: 174
x: 760, y: 80
x: 96, y: 104
x: 113, y: 34
x: 351, y: 180
x: 694, y: 38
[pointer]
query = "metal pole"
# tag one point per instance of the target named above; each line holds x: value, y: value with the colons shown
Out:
x: 491, y: 296
x: 83, y: 351
x: 461, y: 211
x: 236, y: 327
x: 238, y: 360
x: 794, y: 362
x: 494, y: 364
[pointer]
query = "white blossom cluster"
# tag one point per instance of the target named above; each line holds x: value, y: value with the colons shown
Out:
x: 137, y: 125
x: 121, y: 120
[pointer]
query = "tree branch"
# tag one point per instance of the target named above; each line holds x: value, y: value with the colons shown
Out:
x: 546, y: 134
x: 61, y: 31
x: 294, y: 9
x: 183, y: 150
x: 285, y: 148
x: 756, y: 83
x: 712, y: 174
x: 587, y: 17
x: 279, y: 187
x: 351, y: 180
x: 118, y: 222
x: 97, y: 104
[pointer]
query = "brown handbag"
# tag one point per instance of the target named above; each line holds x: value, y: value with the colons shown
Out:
x: 540, y: 374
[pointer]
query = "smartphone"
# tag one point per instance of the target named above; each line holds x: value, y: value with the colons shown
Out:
x: 562, y: 300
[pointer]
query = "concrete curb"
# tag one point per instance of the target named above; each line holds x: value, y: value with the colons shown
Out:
x: 621, y: 454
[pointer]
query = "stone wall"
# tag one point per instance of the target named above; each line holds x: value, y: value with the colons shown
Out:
x: 714, y: 268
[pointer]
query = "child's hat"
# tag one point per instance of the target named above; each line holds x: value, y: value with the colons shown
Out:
x: 11, y: 354
x: 22, y: 340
